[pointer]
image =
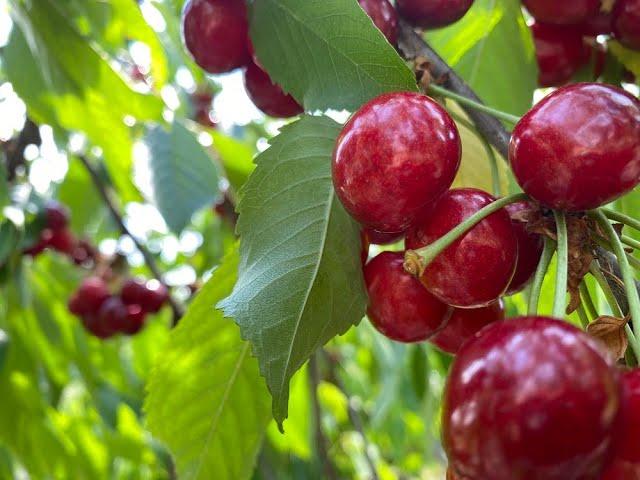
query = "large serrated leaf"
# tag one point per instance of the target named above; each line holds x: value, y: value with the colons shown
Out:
x: 183, y: 175
x: 300, y: 278
x: 327, y: 53
x: 206, y: 399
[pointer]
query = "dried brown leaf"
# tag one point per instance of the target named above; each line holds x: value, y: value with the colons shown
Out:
x: 610, y: 330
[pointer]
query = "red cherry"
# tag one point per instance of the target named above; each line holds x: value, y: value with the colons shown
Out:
x: 364, y: 249
x: 477, y: 268
x: 89, y: 297
x: 113, y: 315
x: 40, y: 246
x: 133, y: 291
x: 84, y: 253
x: 384, y: 17
x: 215, y: 33
x: 155, y: 297
x: 530, y: 398
x: 620, y: 470
x: 464, y: 324
x: 268, y: 96
x: 530, y: 247
x: 560, y: 52
x: 94, y: 325
x: 399, y: 307
x: 134, y: 321
x: 627, y: 444
x: 564, y: 12
x: 599, y: 24
x: 433, y: 13
x: 583, y: 159
x: 63, y: 241
x: 57, y: 216
x: 626, y: 23
x: 382, y: 238
x: 396, y: 154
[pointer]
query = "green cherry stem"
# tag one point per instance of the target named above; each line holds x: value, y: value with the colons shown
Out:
x: 606, y: 290
x: 587, y: 300
x: 443, y: 92
x: 621, y: 218
x: 632, y: 242
x: 417, y: 260
x: 541, y: 271
x: 582, y: 315
x: 562, y: 270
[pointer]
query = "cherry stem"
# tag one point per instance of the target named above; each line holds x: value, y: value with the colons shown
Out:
x: 627, y: 274
x: 443, y: 92
x: 606, y: 290
x: 582, y: 314
x: 587, y: 300
x: 417, y: 260
x: 621, y: 218
x: 632, y: 242
x: 562, y: 270
x: 541, y: 272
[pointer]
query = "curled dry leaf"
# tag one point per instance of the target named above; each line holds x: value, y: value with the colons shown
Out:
x: 610, y: 330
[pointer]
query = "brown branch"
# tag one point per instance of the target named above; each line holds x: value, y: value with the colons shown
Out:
x: 14, y: 149
x: 107, y: 197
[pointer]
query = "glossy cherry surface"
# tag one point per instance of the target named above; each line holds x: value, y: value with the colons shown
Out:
x: 268, y: 96
x: 134, y: 320
x: 477, y: 268
x: 628, y: 435
x: 560, y: 52
x: 156, y: 297
x: 578, y: 147
x: 112, y: 316
x: 384, y: 17
x: 215, y: 32
x: 626, y: 23
x: 57, y: 216
x: 433, y: 13
x: 620, y: 470
x: 530, y: 247
x: 562, y: 12
x: 63, y: 241
x: 89, y: 296
x: 599, y: 24
x: 399, y: 306
x: 381, y: 238
x: 464, y: 324
x: 530, y: 399
x: 397, y: 154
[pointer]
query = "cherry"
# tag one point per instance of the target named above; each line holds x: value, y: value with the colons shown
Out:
x: 133, y: 291
x: 599, y: 24
x: 94, y: 325
x: 620, y: 470
x: 477, y: 268
x: 112, y: 315
x: 396, y: 154
x: 384, y: 17
x: 626, y: 23
x: 567, y: 12
x: 38, y: 247
x: 89, y: 297
x: 464, y: 324
x: 627, y: 445
x: 215, y: 33
x: 399, y: 307
x: 560, y: 52
x: 530, y: 247
x: 364, y: 248
x: 530, y: 398
x: 57, y: 216
x: 83, y: 253
x: 268, y: 96
x: 157, y: 295
x: 381, y: 238
x: 433, y: 13
x: 578, y: 147
x: 63, y: 241
x: 134, y: 320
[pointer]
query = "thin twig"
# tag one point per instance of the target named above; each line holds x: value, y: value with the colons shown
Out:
x: 109, y: 201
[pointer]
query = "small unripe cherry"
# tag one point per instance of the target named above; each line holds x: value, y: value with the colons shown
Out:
x: 563, y: 12
x: 626, y: 23
x: 530, y: 246
x: 384, y: 17
x: 268, y: 96
x: 433, y: 13
x: 399, y: 306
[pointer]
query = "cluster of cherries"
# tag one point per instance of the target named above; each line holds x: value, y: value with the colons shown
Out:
x: 564, y: 34
x: 530, y: 398
x: 104, y: 314
x: 57, y: 236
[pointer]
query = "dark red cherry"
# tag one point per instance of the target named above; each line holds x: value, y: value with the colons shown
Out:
x: 268, y: 96
x: 94, y: 325
x: 464, y: 324
x: 628, y: 435
x: 156, y: 297
x: 63, y: 241
x: 133, y: 291
x: 560, y: 52
x: 215, y: 33
x: 599, y: 24
x: 565, y: 12
x: 530, y: 398
x: 382, y: 238
x: 626, y: 23
x: 530, y: 247
x: 384, y: 17
x: 620, y: 470
x: 399, y: 306
x: 578, y: 148
x: 57, y: 216
x: 477, y: 268
x: 433, y: 13
x: 134, y: 320
x: 112, y: 315
x: 89, y: 297
x: 40, y: 246
x: 396, y: 154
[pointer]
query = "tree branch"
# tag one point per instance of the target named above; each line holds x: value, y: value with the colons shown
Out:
x: 109, y: 201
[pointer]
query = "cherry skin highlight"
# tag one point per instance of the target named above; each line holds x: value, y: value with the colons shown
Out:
x: 560, y: 52
x: 464, y: 324
x: 433, y: 13
x: 478, y: 267
x: 530, y: 398
x: 215, y: 32
x: 384, y: 17
x: 268, y: 96
x: 626, y: 23
x: 578, y: 148
x: 397, y: 154
x: 399, y: 306
x: 566, y: 12
x: 628, y: 435
x: 530, y: 246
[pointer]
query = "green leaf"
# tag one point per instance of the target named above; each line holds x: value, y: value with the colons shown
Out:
x: 300, y: 278
x: 477, y: 46
x: 326, y: 53
x: 205, y: 398
x: 183, y: 175
x: 629, y: 58
x: 236, y: 157
x: 4, y: 346
x: 10, y: 237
